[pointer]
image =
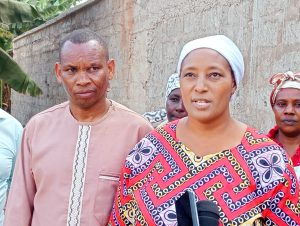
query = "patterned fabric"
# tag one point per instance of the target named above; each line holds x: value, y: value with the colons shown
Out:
x: 295, y: 158
x: 283, y: 81
x: 252, y: 183
x: 78, y: 178
x: 173, y: 83
x: 156, y: 116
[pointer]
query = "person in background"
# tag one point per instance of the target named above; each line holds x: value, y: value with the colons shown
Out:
x: 174, y: 107
x: 10, y: 138
x: 285, y: 102
x: 222, y: 160
x: 71, y: 154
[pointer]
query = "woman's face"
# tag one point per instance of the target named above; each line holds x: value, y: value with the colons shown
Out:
x: 287, y: 111
x: 207, y: 84
x: 174, y: 106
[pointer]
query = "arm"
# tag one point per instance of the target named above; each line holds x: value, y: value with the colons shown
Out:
x: 20, y: 200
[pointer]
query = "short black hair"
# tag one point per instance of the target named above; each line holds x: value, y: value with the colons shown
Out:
x: 83, y: 36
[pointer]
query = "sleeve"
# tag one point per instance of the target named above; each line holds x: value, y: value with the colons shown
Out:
x: 284, y: 206
x: 19, y: 207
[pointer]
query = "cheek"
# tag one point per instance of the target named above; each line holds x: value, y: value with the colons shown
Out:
x: 170, y: 106
x: 298, y: 112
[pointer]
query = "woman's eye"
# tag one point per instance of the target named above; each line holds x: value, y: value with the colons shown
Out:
x: 280, y: 104
x: 189, y: 75
x: 214, y: 75
x: 174, y: 99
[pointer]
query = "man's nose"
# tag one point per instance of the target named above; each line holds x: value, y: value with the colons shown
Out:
x: 83, y: 78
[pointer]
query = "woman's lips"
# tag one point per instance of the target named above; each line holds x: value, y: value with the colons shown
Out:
x: 289, y: 122
x: 201, y: 104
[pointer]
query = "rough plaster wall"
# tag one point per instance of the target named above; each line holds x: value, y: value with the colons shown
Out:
x: 145, y: 38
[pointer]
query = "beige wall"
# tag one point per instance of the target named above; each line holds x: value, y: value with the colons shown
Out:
x: 145, y: 37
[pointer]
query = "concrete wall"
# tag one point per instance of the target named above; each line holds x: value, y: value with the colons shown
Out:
x: 145, y: 38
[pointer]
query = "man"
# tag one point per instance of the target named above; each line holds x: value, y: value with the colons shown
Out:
x: 72, y: 153
x: 10, y: 139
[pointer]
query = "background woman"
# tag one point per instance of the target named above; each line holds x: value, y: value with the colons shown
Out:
x: 221, y: 159
x: 285, y: 102
x: 174, y: 106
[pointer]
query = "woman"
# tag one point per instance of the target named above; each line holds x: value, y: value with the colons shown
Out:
x: 285, y: 102
x: 174, y: 106
x: 242, y: 171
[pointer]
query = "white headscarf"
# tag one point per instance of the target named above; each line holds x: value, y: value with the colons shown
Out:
x: 173, y: 83
x: 222, y: 45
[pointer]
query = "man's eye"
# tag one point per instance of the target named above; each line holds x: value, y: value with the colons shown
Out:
x: 92, y: 69
x: 297, y: 104
x: 71, y: 70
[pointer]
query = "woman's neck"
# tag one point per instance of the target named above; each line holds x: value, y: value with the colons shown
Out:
x: 208, y: 138
x: 290, y: 144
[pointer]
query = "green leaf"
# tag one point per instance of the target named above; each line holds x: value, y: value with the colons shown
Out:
x: 12, y: 11
x: 15, y: 77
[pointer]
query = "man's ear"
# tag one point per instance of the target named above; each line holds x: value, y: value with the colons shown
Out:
x: 58, y: 72
x: 111, y: 68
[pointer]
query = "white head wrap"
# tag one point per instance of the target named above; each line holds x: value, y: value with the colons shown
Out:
x: 222, y: 45
x: 291, y: 84
x: 173, y: 83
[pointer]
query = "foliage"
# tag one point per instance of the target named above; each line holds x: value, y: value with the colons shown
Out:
x: 17, y: 17
x: 12, y: 74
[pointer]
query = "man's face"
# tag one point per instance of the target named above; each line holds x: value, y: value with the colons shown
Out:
x: 287, y: 111
x: 85, y: 72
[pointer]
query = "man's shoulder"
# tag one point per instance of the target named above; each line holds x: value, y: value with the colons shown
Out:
x: 51, y: 112
x: 128, y: 114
